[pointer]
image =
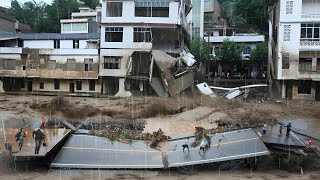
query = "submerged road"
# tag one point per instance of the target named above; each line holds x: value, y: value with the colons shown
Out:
x: 84, y: 151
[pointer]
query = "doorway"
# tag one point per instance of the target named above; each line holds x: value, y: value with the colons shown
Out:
x: 29, y: 84
x: 289, y: 87
x: 71, y: 87
x: 317, y: 91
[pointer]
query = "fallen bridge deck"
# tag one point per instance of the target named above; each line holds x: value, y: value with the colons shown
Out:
x: 91, y: 152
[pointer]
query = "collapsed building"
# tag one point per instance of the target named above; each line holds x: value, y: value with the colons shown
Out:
x: 136, y: 48
x: 141, y: 48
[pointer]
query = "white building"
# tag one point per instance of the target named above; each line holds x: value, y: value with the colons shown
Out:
x: 50, y: 62
x: 85, y: 21
x: 294, y: 49
x: 130, y: 31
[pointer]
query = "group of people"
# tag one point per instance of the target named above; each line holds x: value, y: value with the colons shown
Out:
x: 187, y: 143
x: 37, y: 135
x: 264, y: 128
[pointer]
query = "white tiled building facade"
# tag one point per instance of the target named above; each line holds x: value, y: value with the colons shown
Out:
x: 294, y: 49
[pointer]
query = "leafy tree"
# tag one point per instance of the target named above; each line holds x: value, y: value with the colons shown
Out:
x: 231, y: 51
x: 260, y: 54
x: 201, y: 50
x: 90, y: 3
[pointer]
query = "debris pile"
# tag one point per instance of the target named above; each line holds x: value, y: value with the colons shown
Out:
x: 6, y: 161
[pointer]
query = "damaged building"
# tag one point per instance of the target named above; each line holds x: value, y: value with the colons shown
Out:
x: 143, y: 47
x: 123, y: 48
x: 294, y: 49
x: 50, y: 63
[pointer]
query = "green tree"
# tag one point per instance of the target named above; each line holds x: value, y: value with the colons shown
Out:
x: 231, y: 51
x: 201, y: 50
x: 260, y: 53
x: 90, y: 3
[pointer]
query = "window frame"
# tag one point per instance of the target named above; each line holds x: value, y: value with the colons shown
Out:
x: 88, y: 66
x: 76, y: 44
x: 310, y: 32
x: 56, y: 84
x: 71, y: 66
x: 110, y: 30
x: 121, y: 11
x: 150, y: 6
x: 53, y: 64
x: 92, y: 85
x: 146, y: 35
x: 79, y: 85
x: 12, y: 65
x: 41, y: 85
x: 56, y: 44
x: 114, y: 62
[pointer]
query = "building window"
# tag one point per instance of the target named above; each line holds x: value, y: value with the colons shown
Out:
x: 310, y: 32
x: 114, y: 34
x: 9, y: 64
x: 152, y: 9
x: 75, y: 44
x: 92, y: 85
x: 56, y: 84
x: 247, y: 50
x: 286, y: 32
x: 66, y: 27
x: 285, y: 61
x: 88, y: 64
x: 20, y: 43
x: 304, y: 87
x: 56, y: 44
x: 79, y: 85
x: 32, y: 64
x: 79, y: 27
x: 305, y: 64
x: 114, y: 9
x: 51, y: 65
x: 112, y: 63
x: 142, y: 35
x: 71, y: 64
x: 289, y: 7
x: 41, y: 85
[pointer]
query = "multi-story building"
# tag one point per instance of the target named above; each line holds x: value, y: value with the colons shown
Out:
x: 56, y: 63
x: 131, y: 33
x: 294, y: 49
x: 85, y: 21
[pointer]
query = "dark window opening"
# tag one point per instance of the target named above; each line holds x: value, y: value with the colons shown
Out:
x: 23, y: 68
x: 114, y: 9
x: 9, y: 64
x: 114, y: 34
x: 88, y: 66
x: 71, y: 64
x: 41, y: 85
x: 92, y: 85
x: 56, y: 84
x: 51, y: 65
x: 305, y: 64
x: 304, y: 87
x: 142, y: 35
x: 285, y: 61
x: 23, y: 84
x: 56, y: 44
x: 75, y: 44
x: 79, y: 85
x: 20, y: 43
x: 152, y: 9
x: 112, y: 63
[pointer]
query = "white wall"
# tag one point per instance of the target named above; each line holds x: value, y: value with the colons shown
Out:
x: 66, y: 44
x: 38, y: 44
x: 128, y: 15
x: 124, y: 53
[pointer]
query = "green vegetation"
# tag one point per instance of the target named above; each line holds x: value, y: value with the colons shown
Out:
x: 42, y: 17
x: 230, y: 51
x: 201, y: 50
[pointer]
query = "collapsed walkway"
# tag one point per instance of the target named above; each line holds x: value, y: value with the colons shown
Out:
x: 91, y: 152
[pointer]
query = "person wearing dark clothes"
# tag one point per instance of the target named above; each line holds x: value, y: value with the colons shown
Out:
x: 288, y: 129
x: 38, y: 137
x: 202, y: 146
x: 280, y: 129
x: 186, y: 145
x: 20, y: 136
